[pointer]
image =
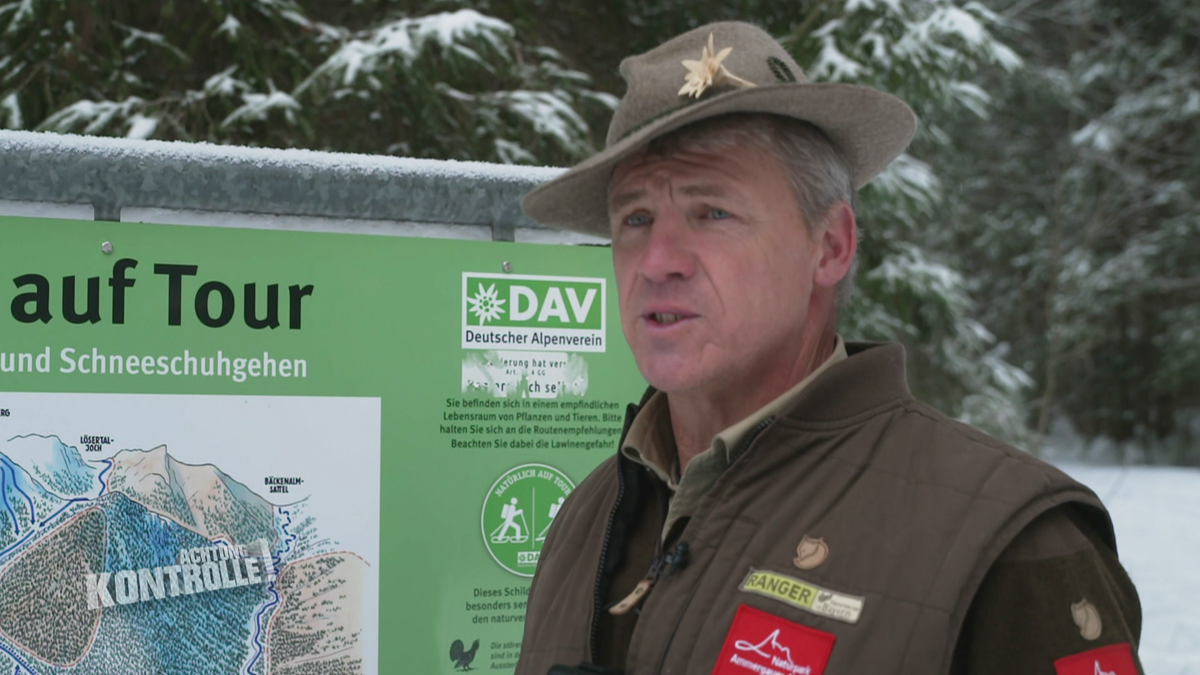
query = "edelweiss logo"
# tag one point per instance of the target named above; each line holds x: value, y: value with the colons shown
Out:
x: 1102, y: 672
x: 486, y: 304
x: 778, y: 655
x: 532, y: 312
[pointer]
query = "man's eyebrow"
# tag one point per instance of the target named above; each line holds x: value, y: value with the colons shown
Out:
x: 623, y: 199
x: 704, y: 190
x: 620, y: 201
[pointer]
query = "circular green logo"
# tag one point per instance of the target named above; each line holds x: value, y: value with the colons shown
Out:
x: 517, y: 513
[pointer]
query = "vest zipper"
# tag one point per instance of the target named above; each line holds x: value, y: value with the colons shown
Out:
x: 750, y: 438
x: 597, y: 596
x: 666, y: 562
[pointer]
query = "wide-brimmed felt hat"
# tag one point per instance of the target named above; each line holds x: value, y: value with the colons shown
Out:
x: 721, y: 68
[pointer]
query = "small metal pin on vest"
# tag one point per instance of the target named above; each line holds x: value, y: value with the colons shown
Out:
x: 1087, y: 617
x: 811, y: 553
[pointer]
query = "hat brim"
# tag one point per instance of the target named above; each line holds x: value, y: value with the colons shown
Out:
x: 869, y: 128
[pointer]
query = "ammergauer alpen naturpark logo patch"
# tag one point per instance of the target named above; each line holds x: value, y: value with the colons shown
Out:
x: 518, y: 511
x: 527, y: 312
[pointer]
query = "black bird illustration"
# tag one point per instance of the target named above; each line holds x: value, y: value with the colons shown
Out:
x: 461, y: 657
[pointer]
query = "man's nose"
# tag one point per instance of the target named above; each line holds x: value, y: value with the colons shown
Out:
x: 668, y: 253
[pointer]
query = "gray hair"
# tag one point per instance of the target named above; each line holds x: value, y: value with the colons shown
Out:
x: 819, y: 175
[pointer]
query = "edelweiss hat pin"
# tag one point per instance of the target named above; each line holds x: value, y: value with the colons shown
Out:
x: 713, y: 70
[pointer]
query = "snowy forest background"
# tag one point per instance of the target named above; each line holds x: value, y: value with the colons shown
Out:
x: 1038, y: 249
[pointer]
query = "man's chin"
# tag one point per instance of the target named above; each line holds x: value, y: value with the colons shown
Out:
x: 672, y: 380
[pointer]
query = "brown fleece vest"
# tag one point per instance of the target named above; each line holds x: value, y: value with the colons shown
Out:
x: 912, y: 507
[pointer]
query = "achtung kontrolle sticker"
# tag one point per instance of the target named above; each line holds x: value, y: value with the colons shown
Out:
x: 518, y: 511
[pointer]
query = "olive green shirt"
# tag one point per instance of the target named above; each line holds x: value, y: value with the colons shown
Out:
x: 651, y: 442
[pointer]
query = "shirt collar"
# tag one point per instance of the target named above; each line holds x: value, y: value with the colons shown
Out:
x: 651, y: 440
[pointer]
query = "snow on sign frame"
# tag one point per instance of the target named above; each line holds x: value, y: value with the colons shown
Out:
x: 259, y: 451
x: 206, y: 184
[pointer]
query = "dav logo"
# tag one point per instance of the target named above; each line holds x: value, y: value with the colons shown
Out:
x: 527, y: 312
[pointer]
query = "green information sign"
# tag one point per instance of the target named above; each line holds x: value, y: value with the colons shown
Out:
x: 252, y: 451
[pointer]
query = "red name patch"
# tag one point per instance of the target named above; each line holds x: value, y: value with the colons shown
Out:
x: 1110, y: 660
x: 759, y: 643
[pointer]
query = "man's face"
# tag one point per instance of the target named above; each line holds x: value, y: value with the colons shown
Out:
x: 714, y: 267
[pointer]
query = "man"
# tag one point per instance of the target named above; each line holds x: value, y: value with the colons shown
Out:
x: 780, y: 504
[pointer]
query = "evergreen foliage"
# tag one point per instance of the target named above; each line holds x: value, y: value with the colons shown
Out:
x: 929, y: 54
x: 451, y: 85
x: 1076, y: 205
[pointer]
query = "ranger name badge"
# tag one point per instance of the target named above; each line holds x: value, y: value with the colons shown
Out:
x: 803, y: 595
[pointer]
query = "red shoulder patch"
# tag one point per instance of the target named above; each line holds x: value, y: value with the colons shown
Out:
x: 759, y: 643
x: 1110, y: 660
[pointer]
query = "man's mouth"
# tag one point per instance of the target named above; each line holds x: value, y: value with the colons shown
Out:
x: 669, y: 318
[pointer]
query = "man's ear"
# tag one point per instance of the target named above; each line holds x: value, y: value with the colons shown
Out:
x: 837, y: 244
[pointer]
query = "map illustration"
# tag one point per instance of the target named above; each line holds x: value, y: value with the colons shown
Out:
x: 120, y: 558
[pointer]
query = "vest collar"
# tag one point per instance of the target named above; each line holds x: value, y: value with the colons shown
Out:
x: 872, y: 376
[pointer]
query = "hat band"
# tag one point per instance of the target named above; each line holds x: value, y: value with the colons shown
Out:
x: 779, y: 68
x: 654, y: 118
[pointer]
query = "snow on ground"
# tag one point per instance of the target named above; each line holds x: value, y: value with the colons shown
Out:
x: 1156, y: 512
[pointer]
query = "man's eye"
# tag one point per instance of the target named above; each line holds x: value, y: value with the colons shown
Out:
x: 719, y: 214
x: 637, y: 220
